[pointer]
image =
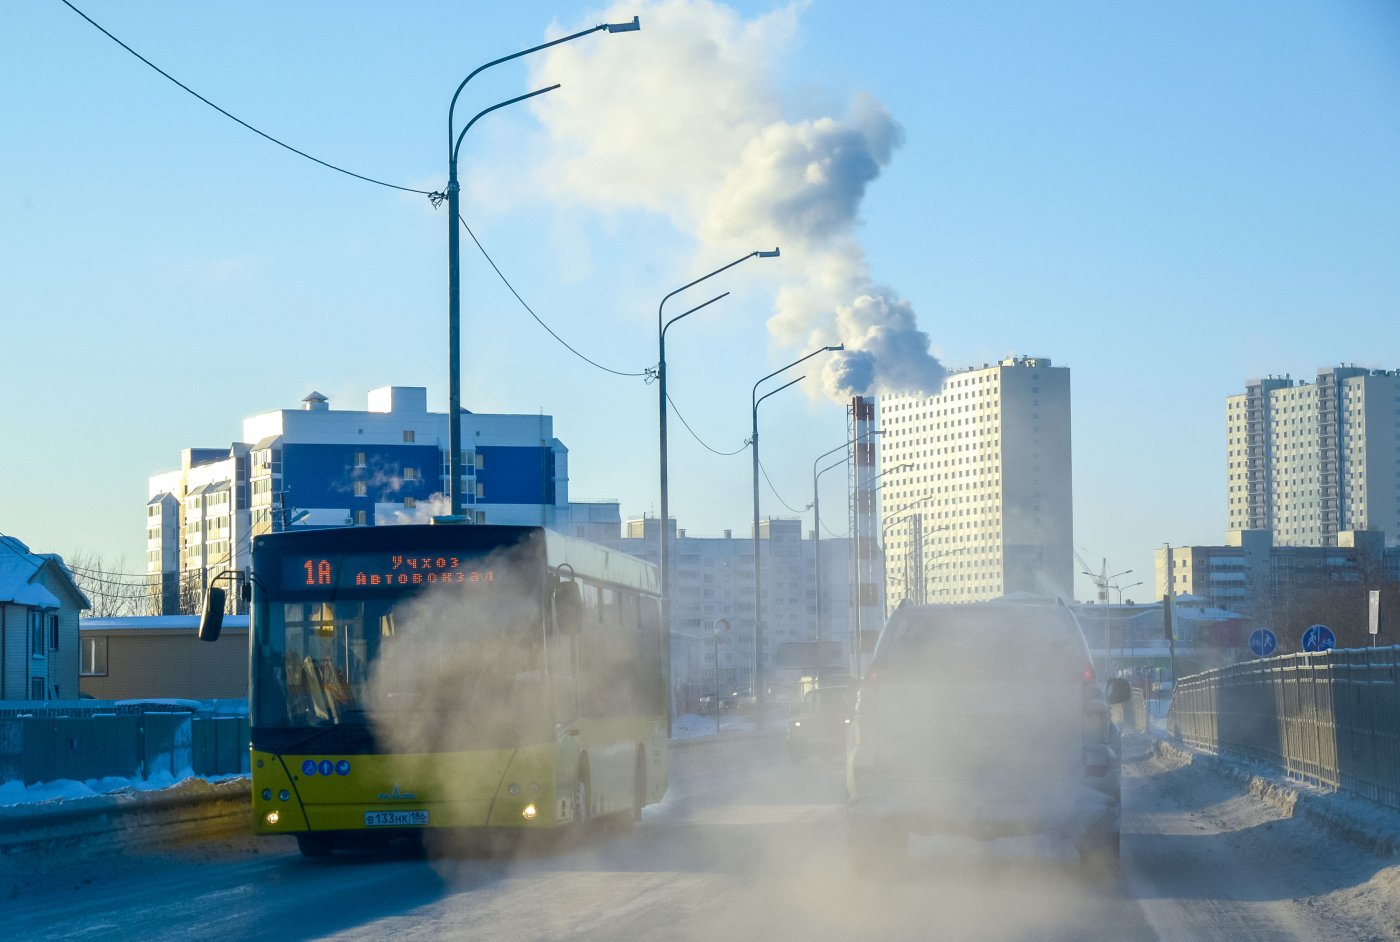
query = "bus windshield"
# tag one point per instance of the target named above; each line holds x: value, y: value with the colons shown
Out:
x: 401, y: 661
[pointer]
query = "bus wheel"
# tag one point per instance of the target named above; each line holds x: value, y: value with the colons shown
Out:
x: 583, y: 795
x: 639, y: 785
x: 314, y: 845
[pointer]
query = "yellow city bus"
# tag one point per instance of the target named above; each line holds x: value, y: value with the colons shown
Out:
x: 413, y: 678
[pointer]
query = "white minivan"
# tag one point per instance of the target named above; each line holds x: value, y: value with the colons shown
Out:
x: 985, y: 720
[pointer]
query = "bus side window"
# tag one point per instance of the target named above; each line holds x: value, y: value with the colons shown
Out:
x: 592, y: 614
x: 609, y: 609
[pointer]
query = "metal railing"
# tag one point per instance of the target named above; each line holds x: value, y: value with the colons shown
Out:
x: 1331, y: 718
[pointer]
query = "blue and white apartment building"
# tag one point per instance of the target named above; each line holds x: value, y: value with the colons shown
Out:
x: 323, y: 467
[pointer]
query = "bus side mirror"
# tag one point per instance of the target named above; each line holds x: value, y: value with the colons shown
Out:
x: 568, y: 608
x: 1118, y: 691
x: 211, y: 621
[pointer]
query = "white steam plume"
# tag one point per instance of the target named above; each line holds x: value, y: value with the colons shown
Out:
x: 684, y: 119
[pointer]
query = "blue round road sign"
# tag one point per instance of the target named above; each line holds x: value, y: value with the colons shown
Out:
x: 1262, y: 642
x: 1319, y: 638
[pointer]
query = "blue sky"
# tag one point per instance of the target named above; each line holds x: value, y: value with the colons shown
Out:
x: 1168, y: 198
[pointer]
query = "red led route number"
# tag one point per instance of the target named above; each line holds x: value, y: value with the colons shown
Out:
x: 390, y: 570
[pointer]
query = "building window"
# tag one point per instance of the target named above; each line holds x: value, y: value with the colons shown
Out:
x: 93, y: 657
x: 36, y: 688
x: 36, y: 633
x: 410, y: 474
x: 359, y: 459
x: 408, y: 434
x: 359, y: 518
x: 409, y: 503
x: 53, y: 632
x: 361, y: 488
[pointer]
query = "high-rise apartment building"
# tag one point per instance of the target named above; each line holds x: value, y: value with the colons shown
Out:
x: 976, y: 499
x: 1310, y: 460
x: 712, y: 613
x: 323, y: 467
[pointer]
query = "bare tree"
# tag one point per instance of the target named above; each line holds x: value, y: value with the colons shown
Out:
x: 191, y: 600
x: 113, y: 591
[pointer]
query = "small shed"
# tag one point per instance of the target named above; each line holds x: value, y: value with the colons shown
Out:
x: 161, y: 656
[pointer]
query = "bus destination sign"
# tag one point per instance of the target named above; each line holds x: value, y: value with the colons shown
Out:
x: 373, y: 570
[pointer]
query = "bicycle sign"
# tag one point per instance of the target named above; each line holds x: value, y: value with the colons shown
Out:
x: 1262, y: 642
x: 1319, y: 638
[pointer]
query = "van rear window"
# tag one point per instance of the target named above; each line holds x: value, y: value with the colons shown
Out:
x: 987, y: 643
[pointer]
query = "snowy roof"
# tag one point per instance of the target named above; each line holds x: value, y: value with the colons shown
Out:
x: 156, y: 622
x: 35, y: 596
x: 19, y: 568
x: 1206, y: 614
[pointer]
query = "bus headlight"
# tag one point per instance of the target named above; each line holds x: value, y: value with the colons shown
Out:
x: 513, y: 789
x: 529, y: 813
x: 273, y: 817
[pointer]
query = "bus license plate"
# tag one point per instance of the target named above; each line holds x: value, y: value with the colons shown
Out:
x: 395, y: 819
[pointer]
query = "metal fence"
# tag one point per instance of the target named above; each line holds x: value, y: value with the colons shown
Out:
x: 1331, y: 718
x: 88, y: 740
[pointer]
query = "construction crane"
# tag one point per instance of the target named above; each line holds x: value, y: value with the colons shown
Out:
x: 1103, y: 579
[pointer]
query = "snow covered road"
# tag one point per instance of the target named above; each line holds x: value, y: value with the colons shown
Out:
x: 748, y: 846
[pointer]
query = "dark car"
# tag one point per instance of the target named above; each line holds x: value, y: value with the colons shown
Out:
x: 983, y: 720
x: 818, y: 727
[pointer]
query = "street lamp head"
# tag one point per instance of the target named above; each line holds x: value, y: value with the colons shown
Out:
x: 839, y: 346
x: 631, y: 27
x: 772, y: 254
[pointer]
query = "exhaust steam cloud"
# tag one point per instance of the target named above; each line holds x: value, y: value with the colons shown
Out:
x: 687, y: 123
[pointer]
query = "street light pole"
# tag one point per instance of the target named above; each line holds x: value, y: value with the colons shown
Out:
x: 454, y: 332
x: 662, y: 409
x: 890, y: 520
x: 759, y: 693
x: 1114, y: 619
x: 1103, y: 581
x: 714, y: 704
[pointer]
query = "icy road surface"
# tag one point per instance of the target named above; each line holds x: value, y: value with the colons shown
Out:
x: 748, y: 846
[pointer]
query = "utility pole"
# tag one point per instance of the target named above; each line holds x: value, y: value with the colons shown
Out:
x: 1168, y: 603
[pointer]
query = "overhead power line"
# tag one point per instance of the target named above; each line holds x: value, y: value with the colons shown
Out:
x: 233, y: 117
x: 538, y: 320
x: 435, y: 197
x: 722, y: 454
x: 776, y: 491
